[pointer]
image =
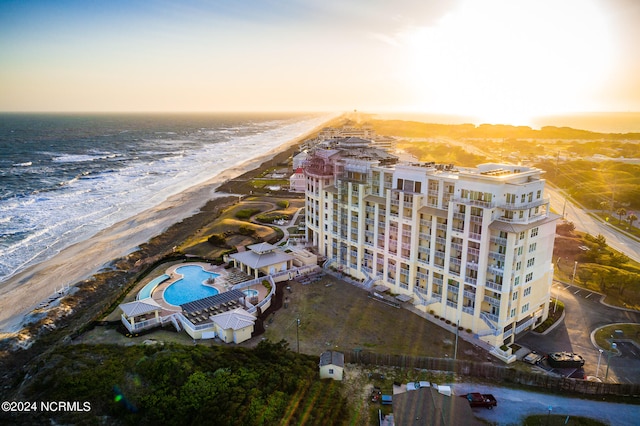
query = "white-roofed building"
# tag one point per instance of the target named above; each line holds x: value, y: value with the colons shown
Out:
x: 140, y: 314
x: 262, y: 257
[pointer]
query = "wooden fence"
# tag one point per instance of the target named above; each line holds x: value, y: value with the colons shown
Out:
x: 494, y: 373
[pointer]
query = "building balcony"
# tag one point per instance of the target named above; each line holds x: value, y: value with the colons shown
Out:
x: 492, y: 300
x: 473, y: 266
x: 475, y: 236
x: 469, y: 294
x: 496, y: 270
x: 471, y: 280
x: 493, y: 285
x: 476, y: 203
x: 498, y: 240
x: 525, y: 206
x: 496, y: 255
x: 467, y: 310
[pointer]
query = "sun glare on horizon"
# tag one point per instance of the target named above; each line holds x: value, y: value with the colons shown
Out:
x: 507, y: 62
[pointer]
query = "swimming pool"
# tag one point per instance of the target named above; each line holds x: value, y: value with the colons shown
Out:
x: 190, y: 287
x: 250, y: 292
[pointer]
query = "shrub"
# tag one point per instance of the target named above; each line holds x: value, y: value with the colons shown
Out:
x: 246, y: 230
x: 469, y: 331
x: 246, y: 213
x: 217, y: 240
x: 283, y: 204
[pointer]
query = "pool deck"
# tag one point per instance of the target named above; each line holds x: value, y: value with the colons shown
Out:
x: 222, y: 283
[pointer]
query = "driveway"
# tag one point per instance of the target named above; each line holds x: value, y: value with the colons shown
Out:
x: 514, y: 405
x: 584, y: 312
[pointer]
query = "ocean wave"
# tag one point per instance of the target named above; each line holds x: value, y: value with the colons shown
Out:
x: 25, y: 164
x: 96, y: 196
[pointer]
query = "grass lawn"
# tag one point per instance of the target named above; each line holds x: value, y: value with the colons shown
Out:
x: 337, y: 315
x: 614, y: 221
x: 629, y: 331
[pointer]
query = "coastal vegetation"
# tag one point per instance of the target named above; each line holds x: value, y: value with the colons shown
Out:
x: 174, y: 384
x: 597, y: 266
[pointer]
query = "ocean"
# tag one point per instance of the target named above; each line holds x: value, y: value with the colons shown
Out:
x: 65, y: 177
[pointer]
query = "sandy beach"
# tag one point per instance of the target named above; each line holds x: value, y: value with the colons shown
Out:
x: 21, y: 293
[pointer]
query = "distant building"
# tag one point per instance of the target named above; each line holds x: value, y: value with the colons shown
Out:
x: 331, y: 365
x: 297, y: 181
x: 472, y: 245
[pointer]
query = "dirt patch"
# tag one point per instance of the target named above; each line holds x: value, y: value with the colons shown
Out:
x: 336, y: 315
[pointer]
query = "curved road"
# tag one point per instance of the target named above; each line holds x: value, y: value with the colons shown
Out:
x: 515, y: 404
x: 584, y: 312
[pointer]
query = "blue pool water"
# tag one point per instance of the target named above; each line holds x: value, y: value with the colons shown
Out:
x: 250, y: 292
x: 190, y: 287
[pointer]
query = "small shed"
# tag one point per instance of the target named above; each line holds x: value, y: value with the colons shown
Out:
x: 234, y: 326
x: 331, y: 365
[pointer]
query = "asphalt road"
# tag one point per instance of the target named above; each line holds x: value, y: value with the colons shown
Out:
x: 514, y: 405
x: 584, y: 313
x: 586, y: 223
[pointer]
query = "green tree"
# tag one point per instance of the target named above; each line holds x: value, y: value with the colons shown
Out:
x: 632, y: 218
x: 621, y: 212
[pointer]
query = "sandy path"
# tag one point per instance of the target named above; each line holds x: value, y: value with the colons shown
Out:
x: 21, y: 293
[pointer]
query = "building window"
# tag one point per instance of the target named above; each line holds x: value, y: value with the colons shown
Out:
x: 516, y: 281
x: 515, y: 296
x: 513, y: 312
x: 518, y: 266
x: 523, y: 197
x: 527, y: 291
x: 529, y: 277
x: 532, y: 247
x: 530, y: 262
x: 539, y: 194
x: 331, y: 371
x: 534, y: 232
x: 522, y: 235
x: 520, y: 251
x: 525, y: 308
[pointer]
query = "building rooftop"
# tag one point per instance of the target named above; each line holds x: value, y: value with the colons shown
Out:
x: 332, y: 358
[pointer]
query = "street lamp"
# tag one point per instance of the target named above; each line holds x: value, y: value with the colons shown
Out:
x: 599, y: 357
x: 613, y: 346
x: 297, y: 333
x: 575, y: 266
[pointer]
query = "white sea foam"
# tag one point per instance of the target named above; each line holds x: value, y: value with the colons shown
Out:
x: 91, y: 202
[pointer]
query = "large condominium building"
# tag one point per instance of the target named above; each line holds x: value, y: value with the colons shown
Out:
x: 472, y: 245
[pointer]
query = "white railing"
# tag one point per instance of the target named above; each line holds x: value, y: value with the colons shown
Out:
x: 138, y: 326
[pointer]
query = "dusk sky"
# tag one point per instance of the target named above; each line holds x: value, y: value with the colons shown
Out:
x: 502, y: 60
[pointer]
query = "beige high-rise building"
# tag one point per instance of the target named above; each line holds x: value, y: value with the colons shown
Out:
x: 472, y: 245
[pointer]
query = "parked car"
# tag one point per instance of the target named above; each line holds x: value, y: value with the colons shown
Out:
x: 477, y: 399
x: 565, y: 360
x: 532, y: 358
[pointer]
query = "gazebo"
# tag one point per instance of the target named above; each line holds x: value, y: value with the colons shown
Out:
x: 262, y: 257
x: 140, y: 314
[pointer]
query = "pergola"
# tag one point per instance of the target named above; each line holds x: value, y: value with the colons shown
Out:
x: 263, y: 257
x: 140, y: 314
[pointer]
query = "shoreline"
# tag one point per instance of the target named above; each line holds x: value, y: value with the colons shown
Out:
x: 24, y: 291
